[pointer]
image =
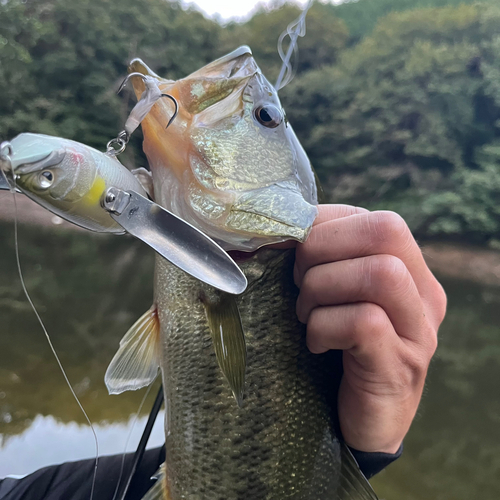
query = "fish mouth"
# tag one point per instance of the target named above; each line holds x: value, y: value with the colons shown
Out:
x: 262, y: 225
x: 241, y: 256
x: 272, y: 214
x: 212, y: 181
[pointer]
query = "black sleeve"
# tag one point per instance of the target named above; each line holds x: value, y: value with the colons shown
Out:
x: 372, y: 463
x: 74, y: 479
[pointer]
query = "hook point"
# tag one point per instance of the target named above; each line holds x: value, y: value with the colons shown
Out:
x: 176, y: 104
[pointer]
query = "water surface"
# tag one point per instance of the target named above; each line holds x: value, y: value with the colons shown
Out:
x: 91, y: 288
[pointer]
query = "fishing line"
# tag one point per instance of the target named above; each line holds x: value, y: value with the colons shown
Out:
x: 294, y: 30
x: 128, y: 439
x: 16, y: 244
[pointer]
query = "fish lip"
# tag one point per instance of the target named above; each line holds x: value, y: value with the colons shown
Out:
x: 272, y: 214
x: 240, y: 51
x: 242, y: 256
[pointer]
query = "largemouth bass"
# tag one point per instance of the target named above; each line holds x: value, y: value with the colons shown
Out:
x: 229, y: 163
x: 250, y: 412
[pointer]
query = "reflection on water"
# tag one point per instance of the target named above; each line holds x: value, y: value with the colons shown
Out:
x: 90, y: 289
x: 51, y: 442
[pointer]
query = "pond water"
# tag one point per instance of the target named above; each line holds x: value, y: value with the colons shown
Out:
x: 89, y: 289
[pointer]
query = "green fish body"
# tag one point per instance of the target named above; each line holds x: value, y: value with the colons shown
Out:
x: 250, y: 412
x: 281, y: 443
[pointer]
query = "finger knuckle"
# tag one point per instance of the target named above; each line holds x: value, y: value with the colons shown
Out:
x: 432, y: 344
x: 440, y: 302
x: 416, y: 357
x: 370, y: 322
x: 386, y: 271
x: 414, y: 365
x: 429, y: 342
x: 387, y: 226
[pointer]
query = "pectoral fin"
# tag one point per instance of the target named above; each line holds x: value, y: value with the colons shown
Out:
x: 136, y: 363
x: 146, y: 180
x: 229, y: 341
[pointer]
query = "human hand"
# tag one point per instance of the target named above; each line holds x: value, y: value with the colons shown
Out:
x: 366, y: 289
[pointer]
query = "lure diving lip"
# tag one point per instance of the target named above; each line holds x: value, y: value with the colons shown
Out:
x: 178, y: 241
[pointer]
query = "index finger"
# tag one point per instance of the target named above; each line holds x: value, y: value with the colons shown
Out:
x: 327, y: 213
x: 348, y: 232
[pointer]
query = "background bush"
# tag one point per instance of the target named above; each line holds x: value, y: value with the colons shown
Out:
x: 397, y: 102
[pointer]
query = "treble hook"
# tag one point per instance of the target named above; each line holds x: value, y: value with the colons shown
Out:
x: 149, y: 82
x: 148, y: 98
x: 174, y: 100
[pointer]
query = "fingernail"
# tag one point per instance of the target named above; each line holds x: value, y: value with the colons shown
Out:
x: 296, y: 275
x: 298, y: 311
x: 316, y: 349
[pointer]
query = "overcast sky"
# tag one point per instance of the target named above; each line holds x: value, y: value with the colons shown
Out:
x: 231, y: 8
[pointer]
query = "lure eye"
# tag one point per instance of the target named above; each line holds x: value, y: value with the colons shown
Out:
x: 269, y: 116
x: 46, y: 178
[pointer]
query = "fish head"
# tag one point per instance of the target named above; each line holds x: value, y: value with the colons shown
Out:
x: 51, y: 169
x: 230, y: 163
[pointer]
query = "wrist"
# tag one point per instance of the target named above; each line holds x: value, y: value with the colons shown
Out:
x: 373, y: 424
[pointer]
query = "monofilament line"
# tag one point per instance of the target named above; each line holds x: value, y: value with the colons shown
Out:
x: 294, y: 30
x: 16, y: 243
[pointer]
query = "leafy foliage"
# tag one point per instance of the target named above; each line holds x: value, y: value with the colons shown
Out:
x: 326, y: 35
x: 61, y: 61
x: 396, y: 102
x: 402, y: 120
x: 361, y: 16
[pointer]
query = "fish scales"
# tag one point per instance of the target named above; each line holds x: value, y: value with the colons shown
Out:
x: 251, y: 413
x: 281, y: 443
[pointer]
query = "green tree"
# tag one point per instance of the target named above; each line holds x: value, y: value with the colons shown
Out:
x: 61, y: 61
x: 398, y: 122
x: 361, y: 16
x: 326, y: 36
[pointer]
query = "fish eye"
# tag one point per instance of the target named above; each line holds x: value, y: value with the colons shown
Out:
x: 269, y: 116
x: 45, y: 179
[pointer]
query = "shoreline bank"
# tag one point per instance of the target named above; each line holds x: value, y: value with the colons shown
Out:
x: 460, y: 261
